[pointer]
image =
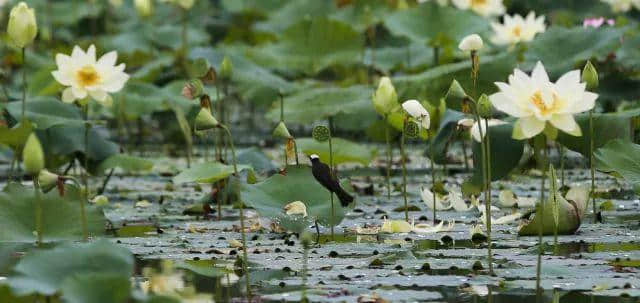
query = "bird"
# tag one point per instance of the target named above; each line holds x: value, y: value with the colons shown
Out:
x: 322, y: 173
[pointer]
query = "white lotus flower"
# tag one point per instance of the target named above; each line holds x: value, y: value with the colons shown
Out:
x: 85, y: 76
x: 515, y: 29
x: 534, y: 100
x: 418, y: 112
x: 486, y: 8
x: 621, y: 6
x: 471, y: 43
x: 475, y: 130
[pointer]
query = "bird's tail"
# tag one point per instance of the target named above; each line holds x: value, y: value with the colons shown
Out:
x: 345, y: 197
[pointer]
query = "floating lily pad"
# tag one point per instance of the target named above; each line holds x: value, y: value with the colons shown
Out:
x: 270, y: 196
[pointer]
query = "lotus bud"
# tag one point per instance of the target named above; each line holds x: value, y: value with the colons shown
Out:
x: 205, y: 120
x: 226, y: 69
x: 321, y: 133
x: 411, y: 129
x: 590, y: 76
x: 455, y: 92
x: 471, y: 43
x: 144, y: 7
x: 281, y: 131
x: 47, y: 179
x: 193, y: 89
x: 484, y: 107
x: 33, y: 156
x: 22, y: 27
x: 385, y: 97
x: 100, y: 200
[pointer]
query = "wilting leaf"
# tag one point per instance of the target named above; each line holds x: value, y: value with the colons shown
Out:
x: 344, y: 151
x: 270, y: 196
x: 60, y: 216
x: 571, y: 210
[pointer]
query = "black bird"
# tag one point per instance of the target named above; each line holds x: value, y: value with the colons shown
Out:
x: 322, y: 173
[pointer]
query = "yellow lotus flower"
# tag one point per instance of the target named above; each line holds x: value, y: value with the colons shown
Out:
x: 486, y: 8
x: 85, y: 76
x: 534, y: 100
x: 515, y: 29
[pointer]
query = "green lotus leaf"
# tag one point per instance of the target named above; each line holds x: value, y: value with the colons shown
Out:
x: 320, y: 103
x: 60, y: 219
x: 207, y: 173
x: 271, y: 195
x: 430, y: 20
x: 622, y: 157
x: 49, y: 271
x: 606, y: 127
x: 344, y: 151
x: 291, y: 13
x: 15, y: 137
x: 46, y: 112
x: 96, y: 288
x: 126, y: 163
x: 332, y: 42
x: 505, y: 153
x: 561, y: 49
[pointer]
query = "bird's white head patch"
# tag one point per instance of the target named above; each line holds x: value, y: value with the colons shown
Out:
x: 314, y: 156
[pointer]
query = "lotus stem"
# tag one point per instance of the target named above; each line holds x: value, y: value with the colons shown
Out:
x: 592, y: 167
x: 433, y: 177
x: 541, y: 221
x: 404, y: 171
x: 105, y: 182
x: 85, y: 176
x: 36, y: 187
x: 184, y: 35
x: 487, y: 193
x: 245, y: 255
x: 561, y: 152
x: 295, y: 150
x: 333, y: 208
x: 387, y: 139
x: 24, y: 83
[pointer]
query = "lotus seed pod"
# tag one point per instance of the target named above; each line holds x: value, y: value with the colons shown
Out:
x: 321, y: 133
x: 226, y: 69
x: 590, y: 76
x: 205, y: 120
x: 22, y: 27
x: 484, y: 107
x: 281, y: 131
x: 33, y: 156
x: 411, y: 129
x: 193, y: 89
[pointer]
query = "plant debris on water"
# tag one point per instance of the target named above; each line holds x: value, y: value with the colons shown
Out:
x: 319, y: 151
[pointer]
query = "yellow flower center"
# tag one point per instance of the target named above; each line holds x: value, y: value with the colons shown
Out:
x: 545, y: 108
x: 517, y: 31
x: 478, y: 2
x: 87, y: 76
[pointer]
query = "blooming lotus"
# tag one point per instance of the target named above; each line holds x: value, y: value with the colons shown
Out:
x: 484, y: 8
x: 85, y: 76
x: 515, y: 29
x: 536, y: 101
